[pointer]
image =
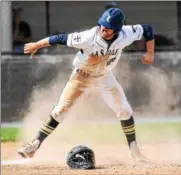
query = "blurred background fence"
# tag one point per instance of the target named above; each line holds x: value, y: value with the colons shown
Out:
x: 150, y: 89
x: 44, y: 18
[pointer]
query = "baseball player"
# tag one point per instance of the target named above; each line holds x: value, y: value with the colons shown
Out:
x: 99, y: 51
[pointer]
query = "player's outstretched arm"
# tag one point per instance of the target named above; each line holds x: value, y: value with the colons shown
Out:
x: 148, y: 58
x: 31, y: 48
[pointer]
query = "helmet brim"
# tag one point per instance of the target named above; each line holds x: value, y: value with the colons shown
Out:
x: 105, y: 24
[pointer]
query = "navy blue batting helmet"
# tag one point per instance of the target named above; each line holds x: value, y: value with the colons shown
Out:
x: 112, y: 18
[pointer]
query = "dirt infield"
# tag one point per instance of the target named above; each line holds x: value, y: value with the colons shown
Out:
x: 110, y: 159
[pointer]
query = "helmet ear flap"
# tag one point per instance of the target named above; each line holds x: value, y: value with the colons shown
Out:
x: 117, y: 31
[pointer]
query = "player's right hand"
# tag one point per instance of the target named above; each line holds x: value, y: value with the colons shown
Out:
x: 30, y: 48
x: 148, y: 58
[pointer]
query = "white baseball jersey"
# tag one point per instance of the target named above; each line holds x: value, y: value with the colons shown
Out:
x: 96, y: 59
x: 96, y: 56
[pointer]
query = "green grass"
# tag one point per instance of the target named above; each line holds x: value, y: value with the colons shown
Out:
x: 111, y: 133
x: 104, y: 133
x: 9, y: 134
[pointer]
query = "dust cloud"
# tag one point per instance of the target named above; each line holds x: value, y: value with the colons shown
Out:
x: 91, y: 108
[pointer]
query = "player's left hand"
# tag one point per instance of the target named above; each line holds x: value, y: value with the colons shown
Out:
x: 148, y: 58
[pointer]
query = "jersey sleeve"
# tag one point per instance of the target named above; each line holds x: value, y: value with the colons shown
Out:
x: 80, y: 40
x: 133, y: 33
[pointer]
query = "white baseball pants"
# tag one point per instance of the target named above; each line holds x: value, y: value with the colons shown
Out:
x: 107, y: 87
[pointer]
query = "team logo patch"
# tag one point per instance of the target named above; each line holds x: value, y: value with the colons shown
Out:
x: 77, y: 38
x: 108, y: 18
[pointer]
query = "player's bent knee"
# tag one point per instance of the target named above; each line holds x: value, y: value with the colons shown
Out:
x: 58, y: 113
x: 125, y: 114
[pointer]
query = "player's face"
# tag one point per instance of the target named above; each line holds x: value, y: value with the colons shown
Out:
x: 106, y: 33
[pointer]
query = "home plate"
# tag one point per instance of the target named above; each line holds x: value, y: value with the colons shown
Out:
x: 16, y: 162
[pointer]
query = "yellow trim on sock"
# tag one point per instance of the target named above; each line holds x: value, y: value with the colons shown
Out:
x: 48, y: 126
x: 125, y: 127
x: 129, y: 129
x: 129, y: 133
x: 46, y: 129
x: 44, y: 132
